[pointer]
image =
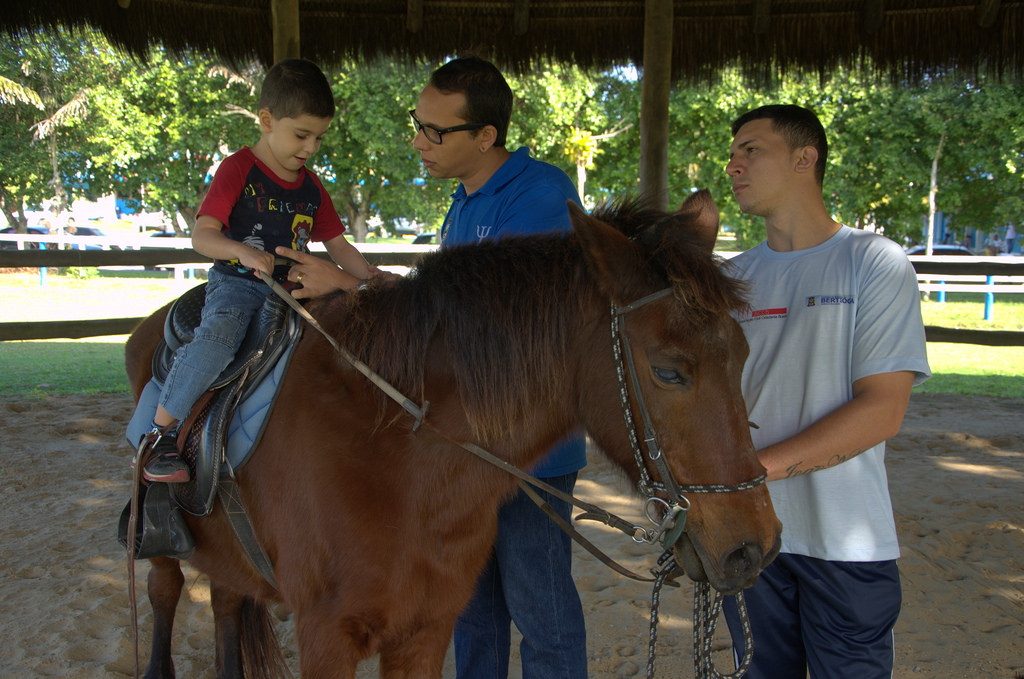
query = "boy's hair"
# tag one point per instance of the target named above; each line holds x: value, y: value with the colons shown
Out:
x: 296, y: 87
x: 797, y: 125
x: 488, y: 96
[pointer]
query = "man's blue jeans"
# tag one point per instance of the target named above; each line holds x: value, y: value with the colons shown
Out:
x: 528, y: 581
x: 230, y: 304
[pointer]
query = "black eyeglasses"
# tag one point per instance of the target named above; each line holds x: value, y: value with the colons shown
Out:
x: 433, y: 134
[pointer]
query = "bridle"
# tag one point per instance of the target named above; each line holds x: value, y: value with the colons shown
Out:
x: 673, y: 510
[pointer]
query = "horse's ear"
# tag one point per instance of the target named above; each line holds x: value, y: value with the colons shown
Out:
x: 611, y: 256
x: 700, y: 215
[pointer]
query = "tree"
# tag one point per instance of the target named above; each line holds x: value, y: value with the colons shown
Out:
x: 165, y: 126
x: 557, y: 113
x: 148, y: 130
x: 15, y: 93
x: 152, y: 130
x: 884, y: 138
x: 43, y: 98
x: 368, y: 162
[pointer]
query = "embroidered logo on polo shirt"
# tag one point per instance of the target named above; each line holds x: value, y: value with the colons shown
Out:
x: 830, y: 300
x: 747, y: 313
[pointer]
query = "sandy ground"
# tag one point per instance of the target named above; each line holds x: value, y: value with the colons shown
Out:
x: 957, y: 477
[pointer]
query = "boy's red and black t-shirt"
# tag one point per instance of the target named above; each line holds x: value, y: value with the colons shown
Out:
x: 263, y: 211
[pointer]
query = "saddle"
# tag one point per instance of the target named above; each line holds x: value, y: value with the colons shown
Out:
x: 238, y: 402
x: 204, y: 433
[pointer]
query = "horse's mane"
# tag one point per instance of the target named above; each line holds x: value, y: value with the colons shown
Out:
x: 502, y: 314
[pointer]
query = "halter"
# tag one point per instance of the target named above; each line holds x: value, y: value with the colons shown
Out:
x: 673, y: 510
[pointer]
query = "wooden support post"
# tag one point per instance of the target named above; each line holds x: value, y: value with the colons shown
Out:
x: 987, y: 13
x: 874, y: 12
x: 414, y: 16
x: 285, y: 17
x: 762, y: 14
x: 520, y: 17
x: 656, y: 86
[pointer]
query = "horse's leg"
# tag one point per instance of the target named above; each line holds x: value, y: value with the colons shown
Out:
x: 420, y: 656
x: 227, y: 621
x: 165, y: 582
x: 328, y: 649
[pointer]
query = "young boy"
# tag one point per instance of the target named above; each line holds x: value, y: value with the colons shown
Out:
x: 260, y: 198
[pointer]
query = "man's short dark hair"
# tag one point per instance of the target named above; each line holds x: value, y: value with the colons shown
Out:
x: 488, y: 96
x: 296, y: 87
x: 797, y: 125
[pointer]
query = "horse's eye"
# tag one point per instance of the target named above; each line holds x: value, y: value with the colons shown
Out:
x: 668, y: 376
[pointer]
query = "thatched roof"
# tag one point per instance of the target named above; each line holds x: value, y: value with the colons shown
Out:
x: 897, y: 36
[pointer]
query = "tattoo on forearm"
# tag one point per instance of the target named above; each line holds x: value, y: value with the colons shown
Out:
x: 798, y: 468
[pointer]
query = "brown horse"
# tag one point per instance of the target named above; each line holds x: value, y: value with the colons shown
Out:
x: 377, y: 530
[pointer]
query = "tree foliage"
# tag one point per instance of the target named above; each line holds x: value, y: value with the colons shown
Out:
x: 76, y: 115
x: 38, y: 82
x: 368, y: 156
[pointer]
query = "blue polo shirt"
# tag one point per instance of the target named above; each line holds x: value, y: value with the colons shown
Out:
x: 525, y: 196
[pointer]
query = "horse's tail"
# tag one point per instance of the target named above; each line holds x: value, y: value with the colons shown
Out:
x: 261, y: 651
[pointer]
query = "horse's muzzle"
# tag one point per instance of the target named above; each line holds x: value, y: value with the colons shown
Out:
x: 735, y: 571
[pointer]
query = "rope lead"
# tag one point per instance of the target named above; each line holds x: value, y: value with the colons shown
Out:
x: 706, y: 609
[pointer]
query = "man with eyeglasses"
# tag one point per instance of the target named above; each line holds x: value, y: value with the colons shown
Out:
x: 461, y: 121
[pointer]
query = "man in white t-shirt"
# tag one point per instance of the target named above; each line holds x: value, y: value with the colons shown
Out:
x: 836, y: 343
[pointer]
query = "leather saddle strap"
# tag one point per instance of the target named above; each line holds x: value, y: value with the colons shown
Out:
x: 227, y: 489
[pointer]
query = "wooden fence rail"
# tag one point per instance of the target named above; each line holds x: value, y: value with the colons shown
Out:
x: 934, y: 269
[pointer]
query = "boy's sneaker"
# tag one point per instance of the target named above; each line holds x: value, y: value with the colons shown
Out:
x: 165, y: 463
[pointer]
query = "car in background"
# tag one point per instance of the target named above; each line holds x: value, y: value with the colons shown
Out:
x: 942, y: 250
x: 32, y: 230
x: 75, y: 230
x: 425, y: 239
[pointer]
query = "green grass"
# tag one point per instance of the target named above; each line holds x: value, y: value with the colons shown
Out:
x: 97, y: 364
x: 971, y: 368
x: 967, y: 310
x: 39, y: 367
x: 93, y: 365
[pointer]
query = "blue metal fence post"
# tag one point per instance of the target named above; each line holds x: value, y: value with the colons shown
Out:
x: 42, y: 269
x: 990, y: 298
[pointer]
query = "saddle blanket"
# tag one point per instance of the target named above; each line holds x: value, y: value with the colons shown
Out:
x: 247, y: 422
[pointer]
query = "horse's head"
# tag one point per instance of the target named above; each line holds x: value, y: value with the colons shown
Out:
x: 683, y: 354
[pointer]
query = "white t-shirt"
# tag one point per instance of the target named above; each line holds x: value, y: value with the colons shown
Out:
x: 818, y: 320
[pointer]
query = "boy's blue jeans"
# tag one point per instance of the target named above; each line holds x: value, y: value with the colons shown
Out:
x: 528, y: 581
x: 230, y: 304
